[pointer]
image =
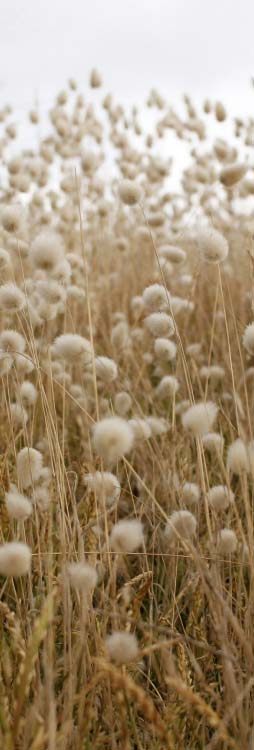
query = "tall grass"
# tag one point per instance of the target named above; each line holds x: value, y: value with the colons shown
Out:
x: 109, y: 409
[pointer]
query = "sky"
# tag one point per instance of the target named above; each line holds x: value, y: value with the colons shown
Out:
x: 202, y: 47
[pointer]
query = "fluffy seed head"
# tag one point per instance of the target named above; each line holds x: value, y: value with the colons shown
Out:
x: 190, y: 493
x: 23, y: 364
x: 18, y: 506
x: 106, y: 369
x: 82, y: 576
x: 127, y: 536
x: 120, y: 335
x: 220, y: 112
x: 95, y: 79
x: 173, y: 253
x: 41, y: 497
x: 112, y: 438
x: 213, y: 247
x: 6, y: 362
x: 15, y: 559
x: 155, y: 297
x: 29, y: 466
x: 28, y: 393
x: 105, y: 485
x: 51, y: 291
x: 237, y: 457
x: 226, y: 542
x: 165, y: 349
x: 232, y: 173
x: 220, y: 497
x: 167, y: 387
x: 12, y: 298
x: 46, y: 251
x: 72, y: 346
x: 160, y: 324
x: 122, y: 403
x: 181, y: 524
x: 158, y: 425
x: 200, y: 418
x: 248, y: 338
x: 19, y: 415
x: 141, y: 429
x: 129, y: 192
x: 122, y: 647
x: 137, y: 304
x: 213, y: 442
x: 215, y: 374
x: 12, y: 341
x: 12, y: 219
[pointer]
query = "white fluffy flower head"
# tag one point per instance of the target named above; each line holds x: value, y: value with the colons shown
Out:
x: 160, y: 324
x: 226, y: 541
x: 248, y: 338
x: 220, y: 497
x: 105, y: 485
x: 127, y: 536
x: 182, y: 524
x: 129, y: 192
x: 15, y: 559
x: 29, y: 466
x: 83, y: 576
x: 112, y: 438
x: 18, y: 506
x: 199, y: 418
x: 122, y: 647
x: 72, y: 346
x: 213, y: 247
x: 46, y: 251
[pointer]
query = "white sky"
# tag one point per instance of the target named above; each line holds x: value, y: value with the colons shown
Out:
x: 203, y: 47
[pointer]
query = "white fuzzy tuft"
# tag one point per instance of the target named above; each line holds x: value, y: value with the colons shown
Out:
x: 220, y: 497
x: 127, y: 536
x: 199, y: 418
x: 168, y: 387
x: 213, y: 247
x: 140, y: 428
x: 105, y: 485
x: 181, y: 525
x: 12, y: 298
x: 121, y: 647
x: 190, y: 493
x: 72, y: 346
x: 213, y: 442
x: 165, y: 349
x: 82, y: 576
x: 15, y: 559
x: 18, y: 506
x: 112, y: 439
x: 226, y: 542
x: 160, y: 324
x: 46, y: 251
x: 237, y: 457
x: 122, y: 403
x: 129, y: 192
x: 29, y: 466
x: 248, y: 338
x: 155, y: 297
x: 106, y: 369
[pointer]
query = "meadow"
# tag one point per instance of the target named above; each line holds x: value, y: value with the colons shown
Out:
x: 126, y: 430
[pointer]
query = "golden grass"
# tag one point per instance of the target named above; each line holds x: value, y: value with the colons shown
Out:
x: 191, y: 608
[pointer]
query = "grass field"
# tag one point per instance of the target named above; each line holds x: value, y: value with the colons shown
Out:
x: 127, y: 450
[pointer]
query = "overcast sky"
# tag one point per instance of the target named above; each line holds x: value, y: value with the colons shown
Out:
x: 203, y: 47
